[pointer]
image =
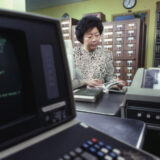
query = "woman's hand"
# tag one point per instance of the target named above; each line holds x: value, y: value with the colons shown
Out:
x: 121, y: 83
x: 94, y: 83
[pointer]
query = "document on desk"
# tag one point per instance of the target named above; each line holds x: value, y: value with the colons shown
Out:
x: 111, y: 87
x: 107, y: 86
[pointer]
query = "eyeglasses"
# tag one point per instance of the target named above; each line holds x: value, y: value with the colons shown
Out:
x: 91, y: 37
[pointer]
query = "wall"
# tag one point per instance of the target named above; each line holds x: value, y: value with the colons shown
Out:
x: 6, y: 4
x: 17, y: 5
x: 109, y: 8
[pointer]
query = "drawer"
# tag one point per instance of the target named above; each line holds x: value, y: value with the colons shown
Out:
x: 118, y: 40
x: 130, y: 54
x: 118, y: 47
x: 65, y: 24
x: 108, y: 28
x: 130, y: 33
x: 130, y: 40
x: 119, y: 75
x: 131, y: 26
x: 99, y: 46
x: 107, y: 35
x: 129, y: 70
x: 128, y: 76
x: 118, y: 54
x: 65, y: 29
x: 119, y: 34
x: 66, y: 36
x: 118, y: 69
x: 118, y: 63
x: 129, y: 82
x: 130, y: 47
x: 130, y: 63
x: 119, y: 27
x: 108, y: 47
x: 108, y: 41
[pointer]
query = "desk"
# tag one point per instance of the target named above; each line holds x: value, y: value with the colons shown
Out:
x: 99, y: 115
x: 108, y: 104
x: 127, y: 130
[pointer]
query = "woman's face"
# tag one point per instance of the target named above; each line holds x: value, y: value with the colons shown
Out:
x: 91, y: 39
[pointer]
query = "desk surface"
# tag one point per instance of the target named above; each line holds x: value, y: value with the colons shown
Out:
x: 127, y: 130
x: 108, y: 104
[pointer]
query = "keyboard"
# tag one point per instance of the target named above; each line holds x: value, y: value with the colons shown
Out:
x: 93, y: 149
x: 80, y: 142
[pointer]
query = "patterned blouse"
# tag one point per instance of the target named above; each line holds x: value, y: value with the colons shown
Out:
x: 94, y: 65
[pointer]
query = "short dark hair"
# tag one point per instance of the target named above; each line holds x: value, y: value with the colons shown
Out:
x: 86, y: 23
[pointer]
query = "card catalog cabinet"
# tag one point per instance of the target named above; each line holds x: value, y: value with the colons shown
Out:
x: 66, y: 25
x: 156, y: 58
x: 126, y: 40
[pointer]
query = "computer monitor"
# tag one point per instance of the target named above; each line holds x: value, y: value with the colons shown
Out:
x: 35, y: 92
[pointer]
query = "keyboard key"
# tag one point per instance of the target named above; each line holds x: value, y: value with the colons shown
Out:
x: 101, y: 144
x: 100, y: 154
x: 67, y: 157
x: 77, y: 158
x: 72, y: 153
x: 107, y: 157
x: 97, y: 146
x: 94, y: 140
x: 78, y: 150
x: 113, y: 155
x: 104, y: 150
x: 92, y: 149
x: 109, y: 147
x: 88, y: 156
x: 85, y: 145
x: 117, y: 151
x: 90, y: 142
x: 120, y: 158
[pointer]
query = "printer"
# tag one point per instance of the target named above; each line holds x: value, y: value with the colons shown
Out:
x: 142, y: 99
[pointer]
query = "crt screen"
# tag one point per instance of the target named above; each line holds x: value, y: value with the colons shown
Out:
x: 12, y: 50
x: 151, y: 79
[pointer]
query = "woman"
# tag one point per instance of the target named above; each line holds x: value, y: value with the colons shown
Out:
x: 94, y: 64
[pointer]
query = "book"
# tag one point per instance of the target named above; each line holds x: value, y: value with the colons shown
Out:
x: 87, y: 94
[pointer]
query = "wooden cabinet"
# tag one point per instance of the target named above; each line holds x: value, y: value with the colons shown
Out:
x: 66, y: 25
x: 128, y: 40
x: 125, y: 39
x: 156, y: 58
